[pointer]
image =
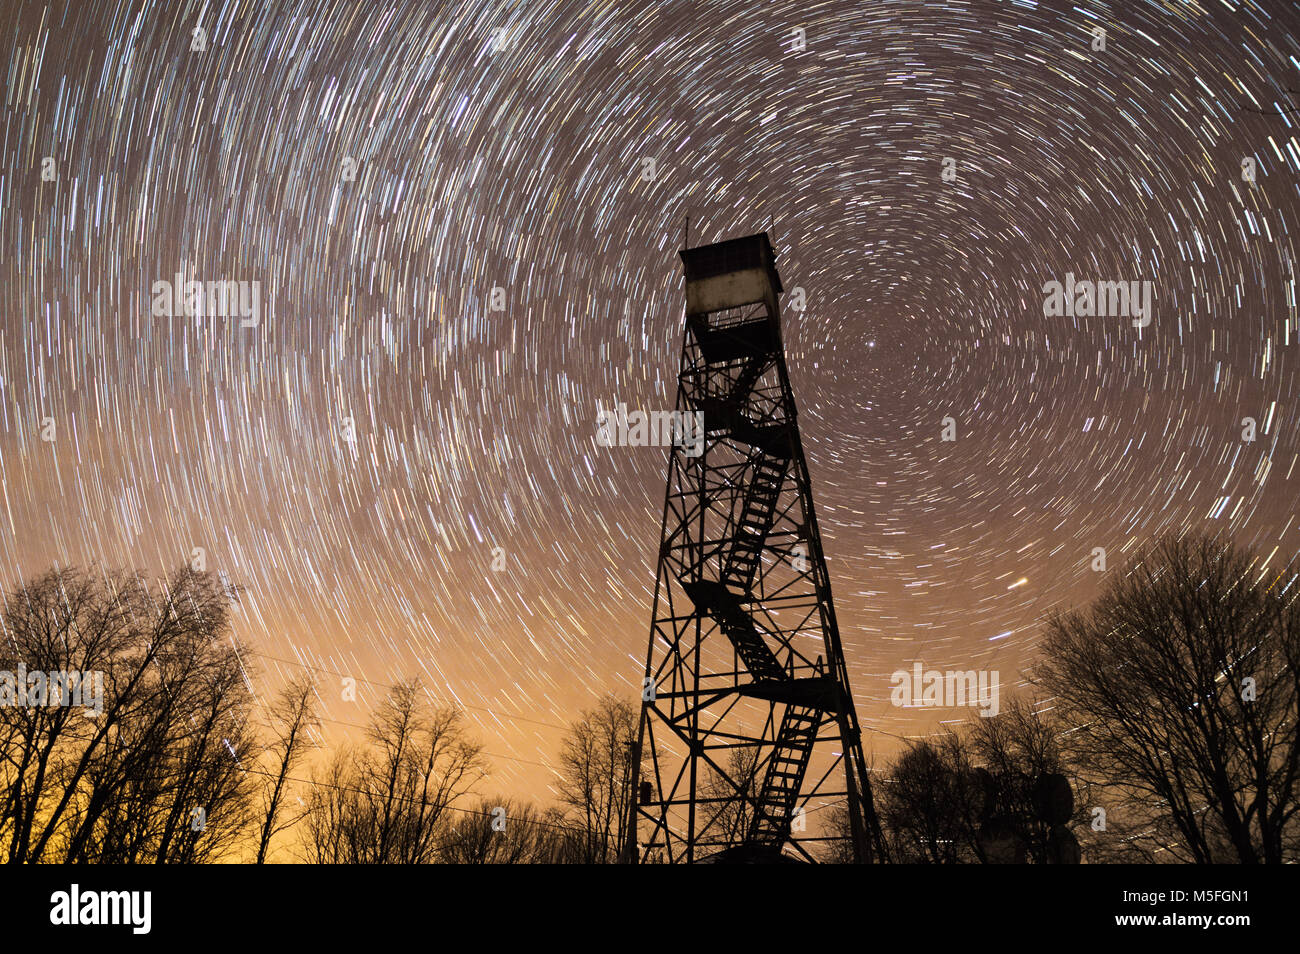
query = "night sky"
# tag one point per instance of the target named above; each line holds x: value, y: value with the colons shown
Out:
x: 380, y: 167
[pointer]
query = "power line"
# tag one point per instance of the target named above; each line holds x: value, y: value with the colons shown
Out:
x: 410, y: 798
x: 371, y: 682
x: 347, y: 788
x: 513, y: 758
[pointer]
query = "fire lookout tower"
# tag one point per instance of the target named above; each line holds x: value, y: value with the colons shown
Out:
x: 748, y: 728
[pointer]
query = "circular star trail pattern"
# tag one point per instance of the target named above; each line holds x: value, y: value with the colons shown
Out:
x: 405, y: 478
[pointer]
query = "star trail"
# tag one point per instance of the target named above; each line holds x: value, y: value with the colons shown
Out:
x: 464, y: 222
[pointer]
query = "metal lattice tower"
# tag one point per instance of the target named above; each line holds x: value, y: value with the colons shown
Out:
x: 748, y: 729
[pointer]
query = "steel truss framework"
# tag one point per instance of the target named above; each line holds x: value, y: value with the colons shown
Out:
x: 748, y: 731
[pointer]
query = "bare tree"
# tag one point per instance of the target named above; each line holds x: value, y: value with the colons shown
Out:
x: 334, y: 827
x: 1018, y: 753
x: 729, y: 811
x: 597, y: 774
x: 976, y: 794
x: 382, y: 803
x: 504, y: 832
x: 1181, y: 683
x: 929, y: 802
x: 151, y: 769
x: 294, y: 720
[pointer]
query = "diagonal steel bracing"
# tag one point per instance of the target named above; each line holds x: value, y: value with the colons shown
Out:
x: 748, y: 726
